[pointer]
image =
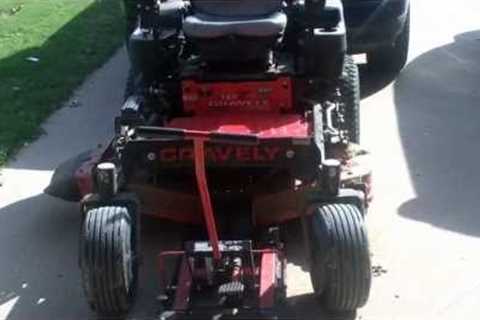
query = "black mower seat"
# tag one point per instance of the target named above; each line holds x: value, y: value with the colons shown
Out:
x: 203, y: 26
x: 249, y: 18
x: 237, y: 8
x: 235, y: 30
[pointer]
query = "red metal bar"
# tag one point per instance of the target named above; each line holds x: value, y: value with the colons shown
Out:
x: 196, y: 134
x: 184, y: 284
x: 200, y: 172
x: 262, y: 126
x: 84, y: 177
x: 267, y: 279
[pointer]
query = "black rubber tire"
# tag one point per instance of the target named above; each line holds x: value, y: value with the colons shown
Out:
x: 391, y: 59
x: 350, y: 100
x: 340, y: 258
x: 108, y: 263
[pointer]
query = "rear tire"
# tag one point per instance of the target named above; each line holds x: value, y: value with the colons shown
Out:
x: 340, y: 258
x: 391, y: 59
x: 350, y: 100
x: 108, y: 261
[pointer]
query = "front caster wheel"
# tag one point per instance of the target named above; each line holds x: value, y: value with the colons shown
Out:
x: 108, y: 261
x: 340, y: 259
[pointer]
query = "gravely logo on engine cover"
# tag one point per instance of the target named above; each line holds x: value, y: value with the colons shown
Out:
x: 223, y: 154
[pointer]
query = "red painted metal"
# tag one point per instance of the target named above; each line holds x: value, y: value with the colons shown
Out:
x: 84, y: 174
x: 260, y: 96
x: 83, y: 177
x: 287, y: 205
x: 237, y: 273
x: 169, y: 204
x: 162, y: 270
x: 225, y: 154
x: 262, y: 125
x: 268, y: 279
x: 184, y: 284
x: 187, y: 208
x: 200, y: 172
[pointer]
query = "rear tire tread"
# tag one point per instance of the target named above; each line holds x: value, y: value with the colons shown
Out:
x: 350, y: 99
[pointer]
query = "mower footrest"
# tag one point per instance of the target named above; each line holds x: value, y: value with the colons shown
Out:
x: 203, y: 248
x: 225, y: 314
x: 231, y: 289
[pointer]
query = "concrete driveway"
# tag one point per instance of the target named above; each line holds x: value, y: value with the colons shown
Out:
x: 423, y: 129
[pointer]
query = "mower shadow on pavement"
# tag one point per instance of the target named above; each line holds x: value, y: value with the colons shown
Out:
x: 39, y: 269
x: 38, y: 242
x: 437, y: 101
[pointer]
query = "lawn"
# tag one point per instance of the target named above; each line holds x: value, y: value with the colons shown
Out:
x: 47, y: 48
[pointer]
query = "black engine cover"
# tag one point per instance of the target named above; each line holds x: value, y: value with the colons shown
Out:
x: 322, y: 53
x: 155, y: 55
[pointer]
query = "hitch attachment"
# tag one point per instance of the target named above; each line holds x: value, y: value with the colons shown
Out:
x: 202, y: 184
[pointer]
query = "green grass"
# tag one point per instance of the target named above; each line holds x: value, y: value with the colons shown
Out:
x: 71, y: 38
